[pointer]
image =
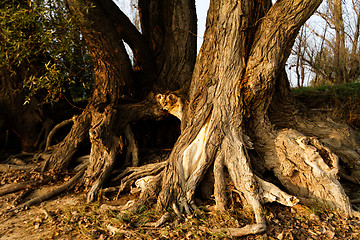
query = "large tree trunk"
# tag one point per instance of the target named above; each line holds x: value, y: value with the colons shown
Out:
x: 113, y: 85
x: 169, y: 28
x: 238, y: 102
x: 111, y: 108
x: 243, y: 54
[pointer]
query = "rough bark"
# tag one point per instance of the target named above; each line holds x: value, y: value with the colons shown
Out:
x: 285, y: 112
x: 213, y: 120
x: 113, y: 85
x: 231, y: 91
x: 239, y: 99
x: 169, y: 28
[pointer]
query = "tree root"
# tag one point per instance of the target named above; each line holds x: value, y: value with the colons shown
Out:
x: 14, y: 187
x: 304, y: 166
x: 348, y: 178
x: 243, y: 231
x: 63, y: 152
x: 130, y: 174
x: 55, y: 129
x: 23, y: 195
x: 219, y: 184
x: 355, y: 200
x: 166, y: 217
x: 148, y: 186
x: 271, y: 193
x: 11, y: 167
x: 238, y: 165
x: 65, y: 187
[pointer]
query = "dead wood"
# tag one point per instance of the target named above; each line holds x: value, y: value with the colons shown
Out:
x: 11, y: 167
x: 65, y: 187
x: 14, y: 187
x: 243, y: 231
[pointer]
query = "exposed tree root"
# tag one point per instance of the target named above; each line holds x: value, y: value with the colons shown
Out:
x: 149, y: 191
x: 219, y: 184
x: 238, y: 165
x: 131, y: 174
x: 305, y: 166
x: 348, y: 177
x: 104, y: 147
x: 64, y: 151
x: 11, y: 167
x: 54, y: 130
x: 148, y: 186
x: 14, y: 187
x: 23, y: 195
x: 243, y: 231
x: 65, y: 187
x: 341, y: 139
x: 166, y: 217
x: 271, y: 193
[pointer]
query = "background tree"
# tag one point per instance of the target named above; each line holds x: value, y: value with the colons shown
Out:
x: 42, y: 54
x: 329, y: 49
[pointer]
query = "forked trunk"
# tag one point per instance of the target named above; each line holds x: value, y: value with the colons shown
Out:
x: 243, y: 54
x: 238, y: 101
x: 111, y: 109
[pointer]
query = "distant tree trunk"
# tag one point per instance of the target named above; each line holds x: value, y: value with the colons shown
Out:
x: 354, y: 58
x: 23, y: 121
x: 300, y: 68
x: 339, y: 45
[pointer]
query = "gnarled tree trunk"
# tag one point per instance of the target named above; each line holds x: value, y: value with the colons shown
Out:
x: 243, y: 55
x: 119, y: 87
x: 113, y: 84
x: 238, y: 101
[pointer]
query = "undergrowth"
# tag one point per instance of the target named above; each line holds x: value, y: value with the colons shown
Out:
x: 341, y: 102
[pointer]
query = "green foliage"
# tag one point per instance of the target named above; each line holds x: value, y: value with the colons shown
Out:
x: 342, y: 91
x: 42, y: 49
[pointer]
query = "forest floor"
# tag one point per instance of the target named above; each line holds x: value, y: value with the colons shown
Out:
x: 68, y: 216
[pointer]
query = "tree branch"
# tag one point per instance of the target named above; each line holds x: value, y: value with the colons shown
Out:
x: 142, y: 54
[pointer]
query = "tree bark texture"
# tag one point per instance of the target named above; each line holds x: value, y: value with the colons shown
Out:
x: 113, y: 85
x: 111, y: 108
x: 243, y: 54
x: 169, y: 28
x: 238, y: 101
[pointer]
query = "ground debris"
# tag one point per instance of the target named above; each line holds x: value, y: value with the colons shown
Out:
x: 70, y: 216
